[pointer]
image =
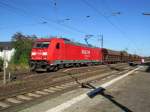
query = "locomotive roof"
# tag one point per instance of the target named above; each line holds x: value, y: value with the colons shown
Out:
x: 77, y: 43
x: 43, y: 39
x: 66, y: 41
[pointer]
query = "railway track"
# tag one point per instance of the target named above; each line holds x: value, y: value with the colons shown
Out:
x: 66, y: 83
x: 30, y: 84
x: 27, y: 84
x: 52, y: 80
x: 22, y: 75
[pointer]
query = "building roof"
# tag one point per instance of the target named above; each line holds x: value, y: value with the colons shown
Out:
x: 5, y: 45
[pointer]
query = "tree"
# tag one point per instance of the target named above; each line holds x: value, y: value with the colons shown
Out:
x: 23, y: 45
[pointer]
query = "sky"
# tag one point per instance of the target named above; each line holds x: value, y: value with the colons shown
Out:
x: 74, y: 19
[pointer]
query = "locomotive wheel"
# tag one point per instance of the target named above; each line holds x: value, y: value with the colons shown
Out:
x: 77, y: 65
x: 51, y: 69
x: 56, y: 68
x: 32, y: 67
x: 66, y: 65
x: 89, y: 64
x: 61, y: 66
x: 92, y: 64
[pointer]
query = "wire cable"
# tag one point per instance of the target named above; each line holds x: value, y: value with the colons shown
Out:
x: 40, y: 18
x: 107, y: 19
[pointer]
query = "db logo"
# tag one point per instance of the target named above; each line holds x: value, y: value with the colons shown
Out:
x: 85, y: 52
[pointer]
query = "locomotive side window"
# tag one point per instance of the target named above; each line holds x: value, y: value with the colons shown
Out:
x: 45, y: 45
x: 58, y: 46
x: 41, y: 45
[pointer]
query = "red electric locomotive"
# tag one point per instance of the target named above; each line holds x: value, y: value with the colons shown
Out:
x: 55, y: 53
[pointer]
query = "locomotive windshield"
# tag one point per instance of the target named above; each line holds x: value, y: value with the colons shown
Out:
x: 41, y: 44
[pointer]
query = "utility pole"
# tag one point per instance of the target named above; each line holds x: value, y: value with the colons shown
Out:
x: 101, y: 39
x: 4, y: 68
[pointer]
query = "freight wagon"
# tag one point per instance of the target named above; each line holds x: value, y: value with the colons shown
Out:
x: 111, y: 56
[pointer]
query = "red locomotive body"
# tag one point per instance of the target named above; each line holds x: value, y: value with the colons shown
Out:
x: 55, y: 53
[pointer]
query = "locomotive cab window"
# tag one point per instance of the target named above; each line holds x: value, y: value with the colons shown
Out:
x: 58, y: 46
x: 42, y: 45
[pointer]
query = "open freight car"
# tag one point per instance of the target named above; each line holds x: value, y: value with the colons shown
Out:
x: 111, y: 56
x: 55, y: 53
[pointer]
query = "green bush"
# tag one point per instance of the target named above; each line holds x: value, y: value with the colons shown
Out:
x: 23, y: 45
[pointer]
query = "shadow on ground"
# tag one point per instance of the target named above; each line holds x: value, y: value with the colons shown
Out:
x: 148, y: 69
x: 148, y: 66
x: 101, y: 91
x: 113, y: 68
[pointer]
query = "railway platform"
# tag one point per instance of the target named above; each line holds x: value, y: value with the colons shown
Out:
x: 127, y: 93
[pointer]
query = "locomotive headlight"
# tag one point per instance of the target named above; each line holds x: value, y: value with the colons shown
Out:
x: 45, y: 53
x: 33, y: 53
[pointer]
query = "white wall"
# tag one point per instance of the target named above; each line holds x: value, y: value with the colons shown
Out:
x: 9, y: 54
